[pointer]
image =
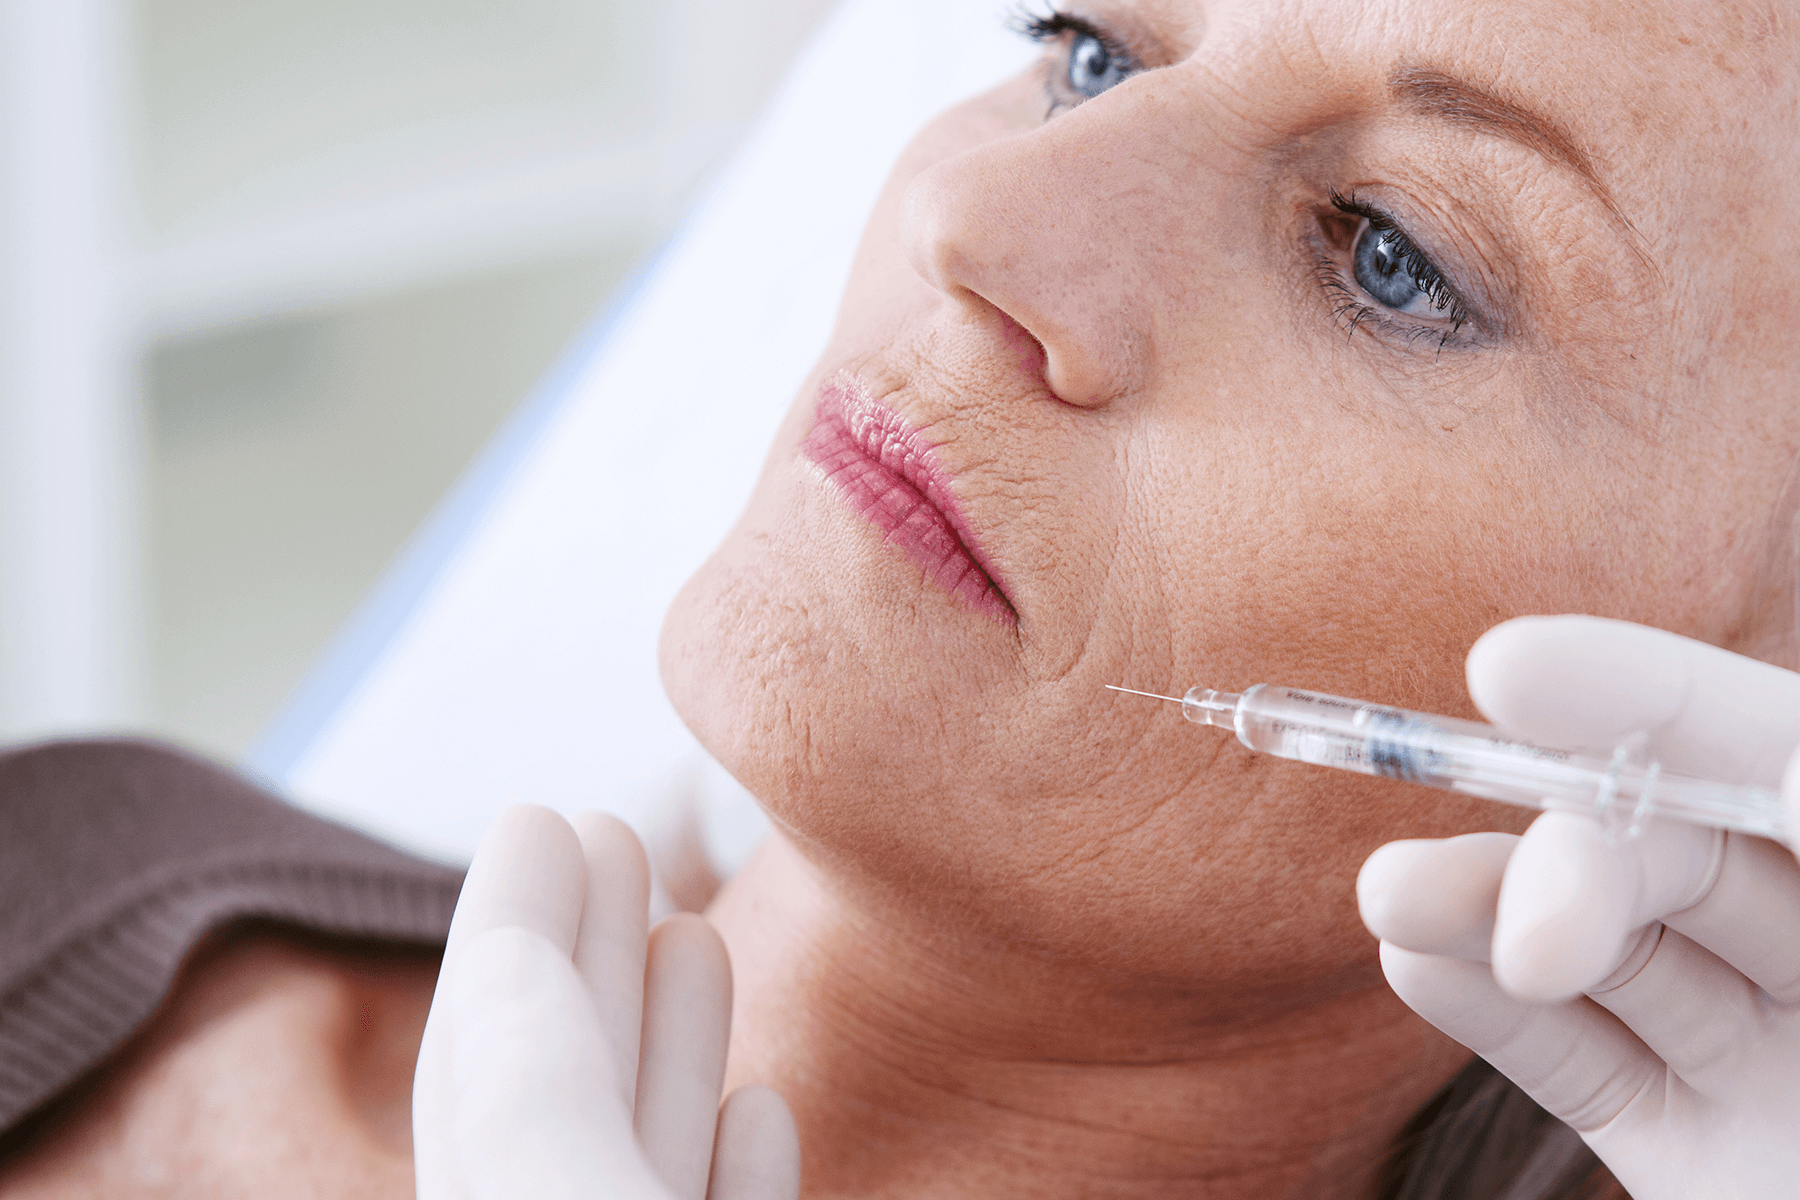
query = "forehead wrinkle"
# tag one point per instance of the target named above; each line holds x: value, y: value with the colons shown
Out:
x: 1433, y: 93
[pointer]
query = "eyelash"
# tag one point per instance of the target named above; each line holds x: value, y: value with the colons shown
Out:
x: 1352, y: 310
x: 1047, y: 27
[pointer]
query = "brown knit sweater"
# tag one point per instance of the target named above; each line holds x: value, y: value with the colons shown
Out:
x: 118, y: 857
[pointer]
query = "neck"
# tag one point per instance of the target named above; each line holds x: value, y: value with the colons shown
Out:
x: 920, y: 1067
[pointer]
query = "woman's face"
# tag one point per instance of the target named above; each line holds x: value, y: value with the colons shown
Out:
x: 1251, y: 342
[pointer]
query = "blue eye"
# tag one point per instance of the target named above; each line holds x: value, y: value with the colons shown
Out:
x: 1387, y: 267
x: 1093, y: 66
x: 1090, y: 61
x: 1392, y: 270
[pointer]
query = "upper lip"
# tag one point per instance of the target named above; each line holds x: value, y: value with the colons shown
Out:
x: 847, y: 412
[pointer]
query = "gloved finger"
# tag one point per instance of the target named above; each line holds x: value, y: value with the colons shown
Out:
x: 1435, y: 896
x: 1572, y: 902
x: 1790, y: 794
x: 681, y: 1063
x: 537, y: 1111
x: 756, y: 1152
x: 1576, y: 1060
x: 609, y: 948
x: 1690, y: 1008
x: 1577, y: 681
x: 528, y: 872
x: 1750, y: 918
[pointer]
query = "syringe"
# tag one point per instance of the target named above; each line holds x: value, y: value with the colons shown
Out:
x: 1478, y: 760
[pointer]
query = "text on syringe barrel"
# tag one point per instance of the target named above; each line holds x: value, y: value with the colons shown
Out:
x: 1480, y: 760
x: 1373, y: 739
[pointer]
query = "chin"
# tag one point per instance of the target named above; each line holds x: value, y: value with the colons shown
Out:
x: 808, y: 655
x: 729, y: 655
x: 776, y: 690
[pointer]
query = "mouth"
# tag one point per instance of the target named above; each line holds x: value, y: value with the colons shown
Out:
x: 888, y: 473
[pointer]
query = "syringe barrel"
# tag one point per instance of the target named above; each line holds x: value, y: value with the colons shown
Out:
x: 1352, y: 735
x: 1475, y: 759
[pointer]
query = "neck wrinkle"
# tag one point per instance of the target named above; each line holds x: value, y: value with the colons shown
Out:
x: 917, y: 1071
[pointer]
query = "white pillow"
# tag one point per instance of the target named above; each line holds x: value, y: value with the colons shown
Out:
x: 511, y: 653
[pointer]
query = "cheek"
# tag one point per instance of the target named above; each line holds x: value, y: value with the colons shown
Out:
x: 1364, y: 563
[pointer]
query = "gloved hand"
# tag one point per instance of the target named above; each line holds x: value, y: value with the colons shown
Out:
x: 568, y: 1053
x: 1645, y: 991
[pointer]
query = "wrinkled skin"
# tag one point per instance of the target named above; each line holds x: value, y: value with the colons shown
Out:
x: 1197, y: 452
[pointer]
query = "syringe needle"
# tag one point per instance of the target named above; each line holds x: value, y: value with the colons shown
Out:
x: 1152, y: 695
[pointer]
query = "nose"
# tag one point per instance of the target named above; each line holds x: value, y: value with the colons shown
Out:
x: 1052, y: 228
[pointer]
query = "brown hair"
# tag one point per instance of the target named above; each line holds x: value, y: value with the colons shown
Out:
x: 1483, y: 1138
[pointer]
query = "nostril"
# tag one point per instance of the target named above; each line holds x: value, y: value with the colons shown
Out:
x: 1026, y: 349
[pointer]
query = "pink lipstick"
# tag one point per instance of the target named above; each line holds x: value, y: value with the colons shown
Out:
x: 891, y: 475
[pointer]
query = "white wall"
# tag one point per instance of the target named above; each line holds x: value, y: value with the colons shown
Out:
x: 431, y: 194
x: 295, y: 153
x: 71, y: 649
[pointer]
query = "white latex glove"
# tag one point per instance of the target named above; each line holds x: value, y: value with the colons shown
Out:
x: 1645, y: 991
x: 569, y: 1053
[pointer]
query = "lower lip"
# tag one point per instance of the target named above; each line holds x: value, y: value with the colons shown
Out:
x: 890, y: 475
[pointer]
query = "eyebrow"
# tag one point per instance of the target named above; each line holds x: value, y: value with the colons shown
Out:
x: 1435, y: 94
